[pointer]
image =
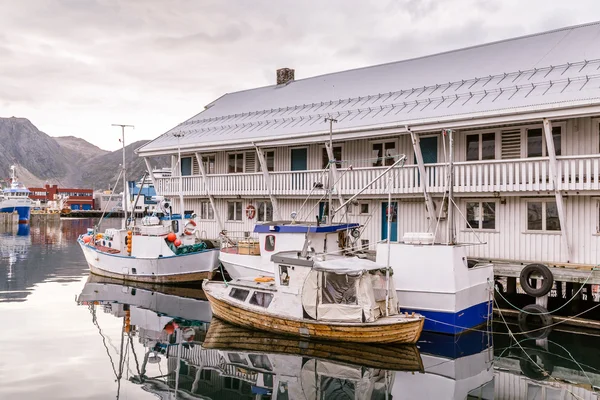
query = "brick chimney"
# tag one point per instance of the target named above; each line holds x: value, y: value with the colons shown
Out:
x: 284, y: 76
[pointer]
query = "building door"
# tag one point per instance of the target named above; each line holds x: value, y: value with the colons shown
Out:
x: 299, y: 159
x: 186, y: 166
x: 384, y: 221
x: 429, y: 151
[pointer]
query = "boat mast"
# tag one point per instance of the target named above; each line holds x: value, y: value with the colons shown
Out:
x: 330, y: 175
x: 179, y: 136
x: 123, y: 169
x: 451, y: 233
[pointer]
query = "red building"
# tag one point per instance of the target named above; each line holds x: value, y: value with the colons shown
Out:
x: 78, y: 199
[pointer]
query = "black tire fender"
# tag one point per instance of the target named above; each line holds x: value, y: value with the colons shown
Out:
x: 538, y: 269
x: 525, y: 325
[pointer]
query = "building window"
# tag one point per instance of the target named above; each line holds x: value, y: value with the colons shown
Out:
x: 481, y: 146
x: 236, y: 163
x: 481, y: 215
x: 269, y: 160
x: 337, y: 155
x: 384, y: 153
x: 364, y: 208
x: 536, y: 142
x: 209, y: 164
x: 542, y: 216
x: 234, y: 211
x: 206, y: 210
x: 264, y: 211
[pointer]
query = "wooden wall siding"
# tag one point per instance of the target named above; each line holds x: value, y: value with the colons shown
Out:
x: 510, y: 240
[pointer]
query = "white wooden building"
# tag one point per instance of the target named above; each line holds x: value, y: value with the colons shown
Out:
x: 525, y: 113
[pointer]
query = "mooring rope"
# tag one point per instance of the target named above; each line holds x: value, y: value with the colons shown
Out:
x: 553, y: 311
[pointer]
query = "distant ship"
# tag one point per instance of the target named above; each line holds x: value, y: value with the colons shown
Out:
x: 16, y: 198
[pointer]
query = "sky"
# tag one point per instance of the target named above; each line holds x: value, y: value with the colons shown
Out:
x: 74, y: 67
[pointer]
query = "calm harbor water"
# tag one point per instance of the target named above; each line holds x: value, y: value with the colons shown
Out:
x: 66, y: 335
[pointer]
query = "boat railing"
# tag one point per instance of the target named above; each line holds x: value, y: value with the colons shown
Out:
x: 239, y: 242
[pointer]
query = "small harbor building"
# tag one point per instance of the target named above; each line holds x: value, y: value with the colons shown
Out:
x: 76, y: 199
x: 524, y: 115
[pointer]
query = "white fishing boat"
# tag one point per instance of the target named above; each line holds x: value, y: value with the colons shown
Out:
x: 435, y: 279
x: 337, y: 298
x: 163, y: 248
x: 15, y: 198
x: 159, y: 250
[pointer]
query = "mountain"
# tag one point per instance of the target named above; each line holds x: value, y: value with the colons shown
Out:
x: 66, y: 161
x: 39, y: 157
x: 97, y: 173
x: 79, y: 148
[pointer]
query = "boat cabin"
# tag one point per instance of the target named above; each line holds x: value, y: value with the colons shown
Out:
x: 149, y: 236
x: 338, y: 289
x: 280, y: 236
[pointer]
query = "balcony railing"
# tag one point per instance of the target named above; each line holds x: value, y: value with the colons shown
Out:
x: 517, y: 175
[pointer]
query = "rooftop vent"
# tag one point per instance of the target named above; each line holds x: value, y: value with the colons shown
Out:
x: 285, y: 75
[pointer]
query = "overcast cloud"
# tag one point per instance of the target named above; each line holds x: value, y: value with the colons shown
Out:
x: 74, y: 67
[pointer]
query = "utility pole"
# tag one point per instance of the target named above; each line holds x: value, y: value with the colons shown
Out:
x: 331, y: 161
x: 123, y: 126
x: 179, y: 136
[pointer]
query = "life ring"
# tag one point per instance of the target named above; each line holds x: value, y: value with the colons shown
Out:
x: 190, y: 227
x: 539, y: 332
x: 537, y: 269
x: 250, y: 211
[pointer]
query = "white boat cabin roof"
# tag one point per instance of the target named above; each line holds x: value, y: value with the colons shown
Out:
x: 554, y: 70
x: 332, y: 263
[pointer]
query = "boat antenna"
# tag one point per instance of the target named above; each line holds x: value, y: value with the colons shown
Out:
x: 179, y: 136
x: 123, y: 126
x: 331, y: 161
x: 451, y: 232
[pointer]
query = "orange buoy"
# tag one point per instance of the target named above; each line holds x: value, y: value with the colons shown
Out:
x: 177, y: 243
x: 86, y: 239
x: 171, y: 237
x: 169, y: 328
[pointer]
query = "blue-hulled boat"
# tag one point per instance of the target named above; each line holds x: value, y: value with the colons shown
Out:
x: 16, y: 198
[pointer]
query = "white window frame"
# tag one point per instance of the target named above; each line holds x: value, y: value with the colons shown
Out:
x: 237, y: 153
x: 206, y: 211
x: 480, y: 219
x: 544, y: 201
x: 235, y: 202
x: 525, y: 142
x: 382, y: 141
x: 360, y: 208
x: 324, y: 149
x: 264, y: 153
x: 258, y: 211
x: 214, y: 157
x: 497, y: 135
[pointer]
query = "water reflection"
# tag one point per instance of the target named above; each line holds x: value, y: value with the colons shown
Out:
x: 41, y: 252
x: 183, y: 352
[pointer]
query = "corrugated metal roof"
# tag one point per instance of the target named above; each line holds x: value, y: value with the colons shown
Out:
x: 545, y: 70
